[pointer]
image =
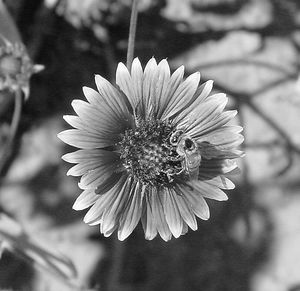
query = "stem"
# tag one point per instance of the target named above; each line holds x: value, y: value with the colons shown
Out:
x: 132, y: 32
x: 113, y: 282
x: 7, y: 149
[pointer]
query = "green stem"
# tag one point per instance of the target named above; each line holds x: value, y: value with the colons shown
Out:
x: 132, y: 32
x: 13, y: 129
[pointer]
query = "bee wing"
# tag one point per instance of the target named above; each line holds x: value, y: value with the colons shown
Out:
x: 193, y: 160
x: 210, y: 151
x: 192, y: 164
x: 207, y: 150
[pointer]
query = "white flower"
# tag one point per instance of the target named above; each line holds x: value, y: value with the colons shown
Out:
x: 152, y: 149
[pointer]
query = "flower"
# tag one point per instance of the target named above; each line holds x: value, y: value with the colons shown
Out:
x: 152, y: 148
x: 16, y: 67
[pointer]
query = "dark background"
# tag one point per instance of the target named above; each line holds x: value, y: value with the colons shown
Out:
x: 251, y: 49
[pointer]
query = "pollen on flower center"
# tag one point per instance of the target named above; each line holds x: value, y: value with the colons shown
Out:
x: 147, y: 154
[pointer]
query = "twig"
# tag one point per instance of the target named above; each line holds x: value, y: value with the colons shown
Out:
x: 7, y: 149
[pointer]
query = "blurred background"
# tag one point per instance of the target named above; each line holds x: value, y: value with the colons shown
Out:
x: 251, y: 48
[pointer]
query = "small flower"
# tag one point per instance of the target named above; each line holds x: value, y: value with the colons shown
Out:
x: 16, y: 67
x: 152, y: 149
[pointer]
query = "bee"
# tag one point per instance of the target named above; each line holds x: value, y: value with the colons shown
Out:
x: 187, y: 149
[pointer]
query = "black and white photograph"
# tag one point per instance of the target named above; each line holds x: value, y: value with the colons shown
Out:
x: 149, y: 145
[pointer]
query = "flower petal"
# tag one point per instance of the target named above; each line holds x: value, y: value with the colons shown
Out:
x: 94, y: 215
x: 185, y: 228
x: 174, y: 82
x: 202, y: 92
x: 85, y: 199
x: 86, y: 140
x: 148, y: 222
x: 182, y: 96
x: 185, y: 210
x: 205, y: 112
x: 149, y: 85
x: 77, y: 123
x: 98, y: 103
x: 89, y: 160
x: 172, y: 213
x: 226, y: 137
x: 163, y: 79
x: 196, y: 201
x: 158, y: 214
x: 81, y: 156
x: 207, y: 190
x: 126, y: 84
x: 207, y: 127
x: 108, y: 184
x: 221, y: 182
x: 198, y: 99
x: 137, y: 76
x: 155, y: 83
x: 131, y: 214
x: 103, y: 129
x: 89, y: 114
x: 95, y: 178
x: 112, y: 96
x: 113, y: 211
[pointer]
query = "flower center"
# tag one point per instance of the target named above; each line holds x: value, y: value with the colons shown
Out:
x: 147, y: 154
